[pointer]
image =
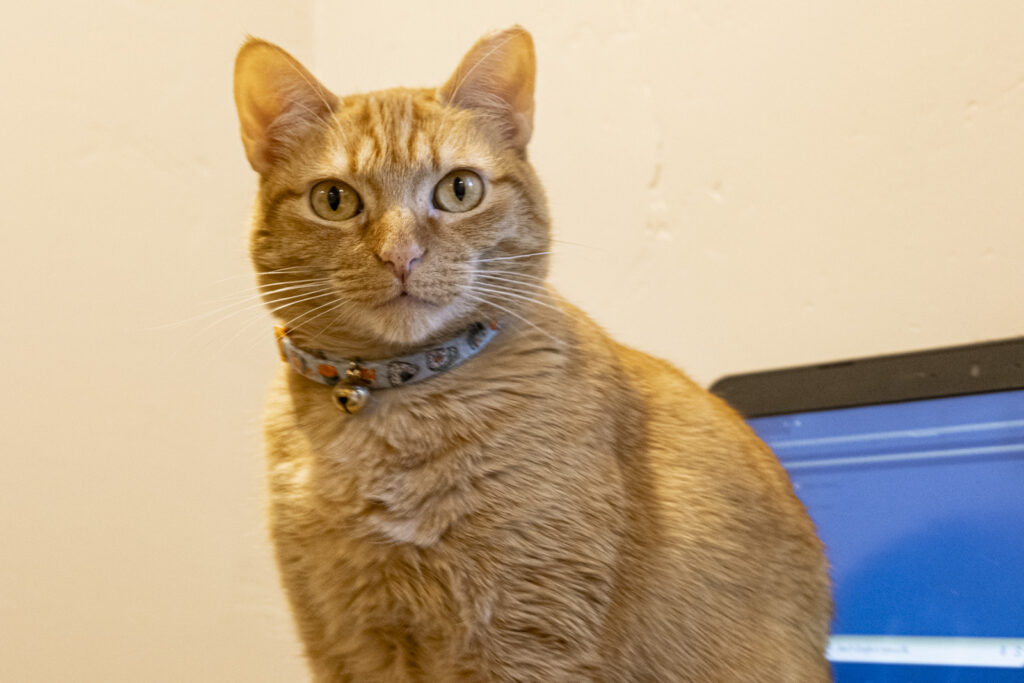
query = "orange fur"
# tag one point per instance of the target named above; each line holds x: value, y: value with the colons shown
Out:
x: 559, y: 507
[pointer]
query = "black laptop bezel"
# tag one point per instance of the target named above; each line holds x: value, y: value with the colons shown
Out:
x: 935, y: 373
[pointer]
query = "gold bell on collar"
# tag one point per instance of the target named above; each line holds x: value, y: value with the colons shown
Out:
x: 351, y: 399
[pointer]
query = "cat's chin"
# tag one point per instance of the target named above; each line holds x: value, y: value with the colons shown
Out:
x: 410, y: 320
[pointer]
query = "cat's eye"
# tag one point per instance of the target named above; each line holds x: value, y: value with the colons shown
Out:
x: 334, y: 200
x: 459, y: 191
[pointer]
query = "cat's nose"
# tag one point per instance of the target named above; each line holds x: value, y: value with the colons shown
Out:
x: 401, y: 259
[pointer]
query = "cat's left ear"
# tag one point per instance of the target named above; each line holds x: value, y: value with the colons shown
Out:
x: 278, y: 100
x: 496, y: 77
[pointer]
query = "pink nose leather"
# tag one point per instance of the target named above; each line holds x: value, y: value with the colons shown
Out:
x: 402, y: 258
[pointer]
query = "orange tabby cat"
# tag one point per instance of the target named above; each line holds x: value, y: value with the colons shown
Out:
x: 556, y: 507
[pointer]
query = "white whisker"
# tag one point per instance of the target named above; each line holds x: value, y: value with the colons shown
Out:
x: 304, y: 296
x: 512, y: 313
x: 293, y: 282
x: 309, y: 296
x: 272, y: 301
x: 502, y: 291
x: 290, y: 269
x: 509, y: 258
x: 249, y: 294
x: 519, y: 288
x: 489, y: 271
x: 291, y: 323
x: 275, y: 309
x: 286, y: 269
x: 535, y: 287
x: 254, y: 300
x: 331, y: 324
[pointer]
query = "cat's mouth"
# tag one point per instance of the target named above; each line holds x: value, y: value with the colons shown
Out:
x: 406, y: 299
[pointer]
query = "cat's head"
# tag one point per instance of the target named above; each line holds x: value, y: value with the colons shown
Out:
x: 390, y: 217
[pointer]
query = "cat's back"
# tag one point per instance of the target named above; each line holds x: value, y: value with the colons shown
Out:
x: 722, y: 567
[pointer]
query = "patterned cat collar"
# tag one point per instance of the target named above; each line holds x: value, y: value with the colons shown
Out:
x: 353, y: 379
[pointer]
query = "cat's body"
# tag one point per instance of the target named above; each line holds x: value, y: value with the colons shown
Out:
x: 558, y: 507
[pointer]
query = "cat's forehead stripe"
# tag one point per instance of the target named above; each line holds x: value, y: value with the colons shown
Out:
x: 389, y: 131
x: 412, y: 147
x: 364, y: 154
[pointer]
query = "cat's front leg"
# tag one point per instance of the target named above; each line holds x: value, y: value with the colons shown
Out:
x: 544, y: 624
x: 354, y: 653
x: 329, y: 671
x: 338, y: 647
x: 376, y: 662
x: 325, y: 666
x: 532, y: 656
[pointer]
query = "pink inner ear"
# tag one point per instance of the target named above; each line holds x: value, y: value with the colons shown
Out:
x: 497, y: 77
x: 261, y: 107
x: 276, y: 97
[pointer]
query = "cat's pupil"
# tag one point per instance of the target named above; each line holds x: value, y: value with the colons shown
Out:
x: 334, y: 197
x: 459, y: 187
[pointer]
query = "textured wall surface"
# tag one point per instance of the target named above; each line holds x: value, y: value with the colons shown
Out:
x: 735, y: 186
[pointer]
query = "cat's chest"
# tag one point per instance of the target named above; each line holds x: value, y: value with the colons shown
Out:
x: 395, y: 475
x: 367, y: 591
x: 367, y: 544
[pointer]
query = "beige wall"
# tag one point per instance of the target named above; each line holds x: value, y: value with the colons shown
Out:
x: 736, y: 185
x: 131, y: 532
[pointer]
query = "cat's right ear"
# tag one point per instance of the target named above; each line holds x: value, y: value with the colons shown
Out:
x: 277, y: 99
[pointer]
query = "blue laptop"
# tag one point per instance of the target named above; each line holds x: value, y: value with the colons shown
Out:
x: 912, y: 467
